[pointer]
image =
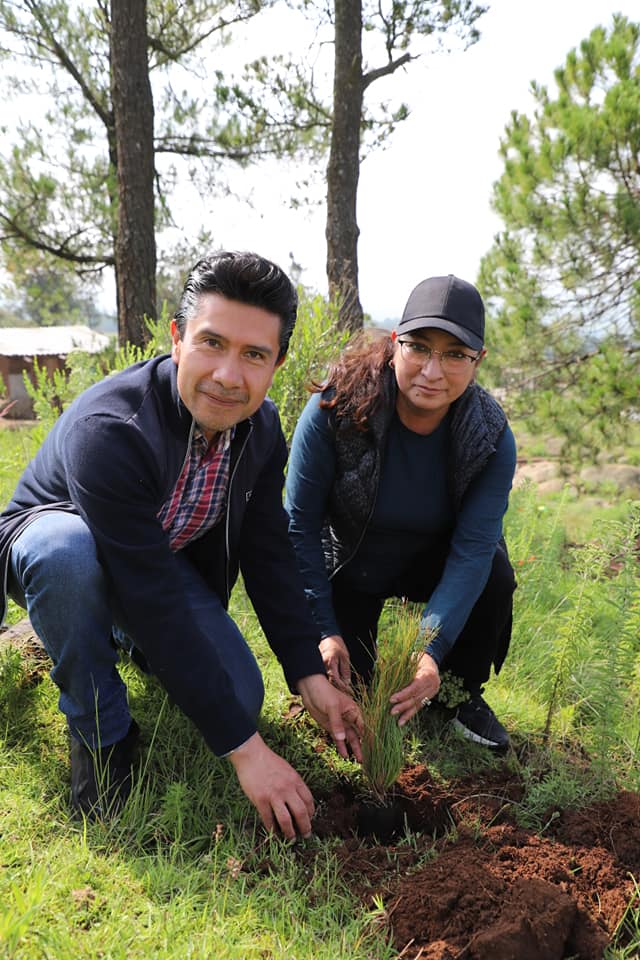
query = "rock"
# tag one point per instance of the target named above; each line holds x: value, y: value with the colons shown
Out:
x: 22, y: 637
x: 624, y: 476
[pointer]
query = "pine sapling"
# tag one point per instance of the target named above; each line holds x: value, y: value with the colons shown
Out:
x: 383, y: 746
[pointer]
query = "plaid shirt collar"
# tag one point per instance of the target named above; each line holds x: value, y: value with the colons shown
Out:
x: 199, y: 497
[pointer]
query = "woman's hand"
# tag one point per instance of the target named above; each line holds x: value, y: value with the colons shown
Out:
x: 335, y: 657
x: 419, y: 693
x: 336, y: 713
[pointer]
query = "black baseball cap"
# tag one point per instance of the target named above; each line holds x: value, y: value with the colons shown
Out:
x: 446, y: 303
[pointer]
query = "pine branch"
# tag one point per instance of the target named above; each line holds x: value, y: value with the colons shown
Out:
x: 60, y: 250
x: 372, y: 75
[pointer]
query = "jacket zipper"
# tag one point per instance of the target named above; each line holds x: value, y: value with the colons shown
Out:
x: 360, y: 538
x: 188, y: 450
x: 227, y: 518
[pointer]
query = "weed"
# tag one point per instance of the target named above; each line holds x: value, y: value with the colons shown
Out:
x: 625, y: 944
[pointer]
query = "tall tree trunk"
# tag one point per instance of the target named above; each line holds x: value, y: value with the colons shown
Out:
x: 344, y: 164
x: 135, y: 251
x: 112, y: 190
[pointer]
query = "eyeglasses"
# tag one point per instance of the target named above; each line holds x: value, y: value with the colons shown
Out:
x: 419, y: 354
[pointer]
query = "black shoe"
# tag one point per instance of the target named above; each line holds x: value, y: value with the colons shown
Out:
x: 476, y: 721
x: 101, y: 778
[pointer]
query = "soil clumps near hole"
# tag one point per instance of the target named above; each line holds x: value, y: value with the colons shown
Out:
x: 464, y: 880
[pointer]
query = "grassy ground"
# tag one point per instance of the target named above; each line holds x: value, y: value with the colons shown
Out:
x: 187, y: 872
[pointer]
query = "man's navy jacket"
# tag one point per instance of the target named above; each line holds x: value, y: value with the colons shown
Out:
x: 114, y: 457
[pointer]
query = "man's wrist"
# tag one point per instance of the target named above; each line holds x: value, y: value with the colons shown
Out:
x: 243, y: 748
x: 305, y: 684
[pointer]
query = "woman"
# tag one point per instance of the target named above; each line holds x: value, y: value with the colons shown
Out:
x: 398, y: 481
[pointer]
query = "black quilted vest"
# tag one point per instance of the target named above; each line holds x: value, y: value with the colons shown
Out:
x: 477, y: 421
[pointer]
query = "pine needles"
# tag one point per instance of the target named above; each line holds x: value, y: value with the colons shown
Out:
x: 383, y: 743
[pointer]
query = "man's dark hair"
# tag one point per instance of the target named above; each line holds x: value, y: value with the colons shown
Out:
x: 247, y: 278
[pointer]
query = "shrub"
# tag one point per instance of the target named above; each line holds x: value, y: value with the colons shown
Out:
x: 53, y: 394
x: 315, y: 342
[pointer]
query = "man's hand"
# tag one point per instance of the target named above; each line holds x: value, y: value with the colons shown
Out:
x: 424, y: 686
x: 335, y: 657
x: 278, y: 793
x: 336, y: 713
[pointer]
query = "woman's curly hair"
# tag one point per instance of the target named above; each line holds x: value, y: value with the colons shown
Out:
x: 355, y: 378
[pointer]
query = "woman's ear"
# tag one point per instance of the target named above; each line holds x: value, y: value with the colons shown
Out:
x: 483, y: 354
x: 394, y: 336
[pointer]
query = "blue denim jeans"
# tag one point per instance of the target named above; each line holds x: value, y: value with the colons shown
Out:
x: 56, y: 575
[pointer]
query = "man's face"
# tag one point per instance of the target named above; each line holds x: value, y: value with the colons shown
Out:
x: 226, y: 361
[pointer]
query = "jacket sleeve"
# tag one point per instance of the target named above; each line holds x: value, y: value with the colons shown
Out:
x: 271, y: 575
x: 473, y: 545
x: 112, y: 474
x: 310, y: 477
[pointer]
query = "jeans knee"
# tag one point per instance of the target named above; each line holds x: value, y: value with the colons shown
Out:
x: 57, y: 550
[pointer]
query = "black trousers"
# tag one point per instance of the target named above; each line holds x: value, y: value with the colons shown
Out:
x: 483, y: 641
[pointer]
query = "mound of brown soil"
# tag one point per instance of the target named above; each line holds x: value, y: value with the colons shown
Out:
x: 473, y: 884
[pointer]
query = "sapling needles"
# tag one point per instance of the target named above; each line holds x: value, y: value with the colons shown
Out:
x: 399, y: 649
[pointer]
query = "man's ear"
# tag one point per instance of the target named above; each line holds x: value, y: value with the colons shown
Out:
x: 175, y: 336
x: 280, y: 361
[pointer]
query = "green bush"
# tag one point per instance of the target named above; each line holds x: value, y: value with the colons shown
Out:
x: 315, y: 342
x: 575, y: 651
x: 51, y: 395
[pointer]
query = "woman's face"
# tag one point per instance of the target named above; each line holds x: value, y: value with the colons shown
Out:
x: 425, y: 390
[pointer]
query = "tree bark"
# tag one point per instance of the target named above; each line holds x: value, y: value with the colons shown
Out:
x: 132, y: 99
x: 344, y: 164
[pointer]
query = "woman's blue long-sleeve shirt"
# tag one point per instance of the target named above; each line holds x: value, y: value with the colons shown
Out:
x: 413, y: 509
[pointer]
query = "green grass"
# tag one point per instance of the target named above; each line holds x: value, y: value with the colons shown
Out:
x: 626, y: 941
x: 184, y: 872
x: 584, y: 514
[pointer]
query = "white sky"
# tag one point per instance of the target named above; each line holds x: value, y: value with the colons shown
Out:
x: 424, y: 202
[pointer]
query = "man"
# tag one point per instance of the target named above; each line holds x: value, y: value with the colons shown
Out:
x: 131, y: 524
